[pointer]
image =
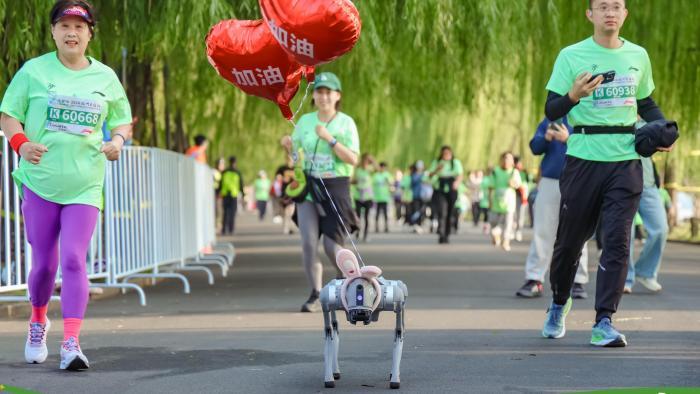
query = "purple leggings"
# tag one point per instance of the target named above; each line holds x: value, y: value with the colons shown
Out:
x: 44, y: 222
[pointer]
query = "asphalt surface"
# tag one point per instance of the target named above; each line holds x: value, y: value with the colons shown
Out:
x: 466, y: 331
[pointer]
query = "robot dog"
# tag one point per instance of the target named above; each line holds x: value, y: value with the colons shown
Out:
x: 363, y: 294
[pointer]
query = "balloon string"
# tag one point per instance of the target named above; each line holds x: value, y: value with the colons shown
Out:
x: 301, y: 103
x: 313, y: 165
x: 340, y: 218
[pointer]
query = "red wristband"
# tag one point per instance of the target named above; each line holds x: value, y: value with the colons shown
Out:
x: 17, y: 140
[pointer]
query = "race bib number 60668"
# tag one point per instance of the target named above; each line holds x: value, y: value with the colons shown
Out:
x: 73, y: 115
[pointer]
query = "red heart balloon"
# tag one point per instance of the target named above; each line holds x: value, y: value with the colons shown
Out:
x: 313, y: 31
x: 246, y: 54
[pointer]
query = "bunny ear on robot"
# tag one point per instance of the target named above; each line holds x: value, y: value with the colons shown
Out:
x: 347, y: 262
x: 246, y: 54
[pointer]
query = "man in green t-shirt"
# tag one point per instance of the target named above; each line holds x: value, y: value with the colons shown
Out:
x: 381, y: 185
x: 601, y: 83
x: 230, y: 187
x: 262, y: 193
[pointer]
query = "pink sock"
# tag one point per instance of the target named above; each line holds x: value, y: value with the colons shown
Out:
x: 71, y: 328
x: 39, y: 314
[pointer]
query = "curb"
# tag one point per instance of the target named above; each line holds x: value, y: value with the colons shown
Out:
x: 17, y: 310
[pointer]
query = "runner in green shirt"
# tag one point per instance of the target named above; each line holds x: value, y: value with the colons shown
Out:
x: 230, y: 187
x: 381, y: 185
x: 485, y: 202
x: 364, y: 192
x: 447, y: 172
x: 504, y: 181
x: 262, y: 193
x: 331, y: 148
x: 602, y: 175
x: 52, y: 114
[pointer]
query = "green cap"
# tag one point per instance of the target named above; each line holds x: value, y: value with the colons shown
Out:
x: 327, y: 80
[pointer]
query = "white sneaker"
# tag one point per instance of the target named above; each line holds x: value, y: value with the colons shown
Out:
x: 495, y: 238
x: 519, y: 236
x: 506, y: 245
x: 35, y: 351
x: 650, y: 283
x: 72, y: 358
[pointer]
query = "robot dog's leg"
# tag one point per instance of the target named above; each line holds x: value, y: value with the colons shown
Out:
x: 395, y: 382
x: 329, y: 350
x: 336, y: 342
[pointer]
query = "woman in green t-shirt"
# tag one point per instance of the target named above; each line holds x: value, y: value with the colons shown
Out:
x: 505, y: 179
x: 448, y: 173
x: 330, y: 145
x: 52, y: 114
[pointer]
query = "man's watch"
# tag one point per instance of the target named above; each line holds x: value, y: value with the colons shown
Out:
x: 332, y: 143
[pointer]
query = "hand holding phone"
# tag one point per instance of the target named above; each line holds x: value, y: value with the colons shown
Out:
x: 585, y: 84
x: 608, y: 77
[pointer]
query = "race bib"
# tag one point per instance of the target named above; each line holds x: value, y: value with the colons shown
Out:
x: 73, y: 115
x: 622, y: 92
x: 322, y: 165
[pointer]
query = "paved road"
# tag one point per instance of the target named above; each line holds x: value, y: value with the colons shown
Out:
x: 466, y: 332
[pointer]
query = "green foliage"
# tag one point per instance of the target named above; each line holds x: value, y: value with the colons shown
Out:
x: 469, y: 73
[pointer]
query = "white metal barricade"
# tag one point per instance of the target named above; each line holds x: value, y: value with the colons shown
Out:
x: 158, y: 219
x: 14, y: 264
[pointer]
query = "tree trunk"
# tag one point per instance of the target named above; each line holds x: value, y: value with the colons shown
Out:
x: 152, y: 111
x: 180, y: 131
x: 167, y: 107
x: 138, y: 76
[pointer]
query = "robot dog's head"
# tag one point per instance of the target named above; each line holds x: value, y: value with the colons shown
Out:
x: 360, y: 292
x: 360, y: 298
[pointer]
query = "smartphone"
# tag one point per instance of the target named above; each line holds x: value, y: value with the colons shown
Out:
x: 552, y: 124
x: 608, y: 77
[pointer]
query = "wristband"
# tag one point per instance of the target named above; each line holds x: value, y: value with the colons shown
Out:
x: 120, y: 136
x: 332, y: 143
x: 17, y: 141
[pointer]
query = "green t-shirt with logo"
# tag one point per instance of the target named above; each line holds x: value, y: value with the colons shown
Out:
x: 381, y: 184
x: 262, y: 189
x: 363, y: 184
x: 64, y: 110
x: 450, y: 168
x: 611, y: 104
x: 326, y: 164
x: 504, y: 182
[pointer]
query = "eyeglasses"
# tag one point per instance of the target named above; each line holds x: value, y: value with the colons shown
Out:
x: 615, y: 9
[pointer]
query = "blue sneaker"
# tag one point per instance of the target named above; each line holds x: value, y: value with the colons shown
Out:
x: 604, y: 334
x: 554, y: 326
